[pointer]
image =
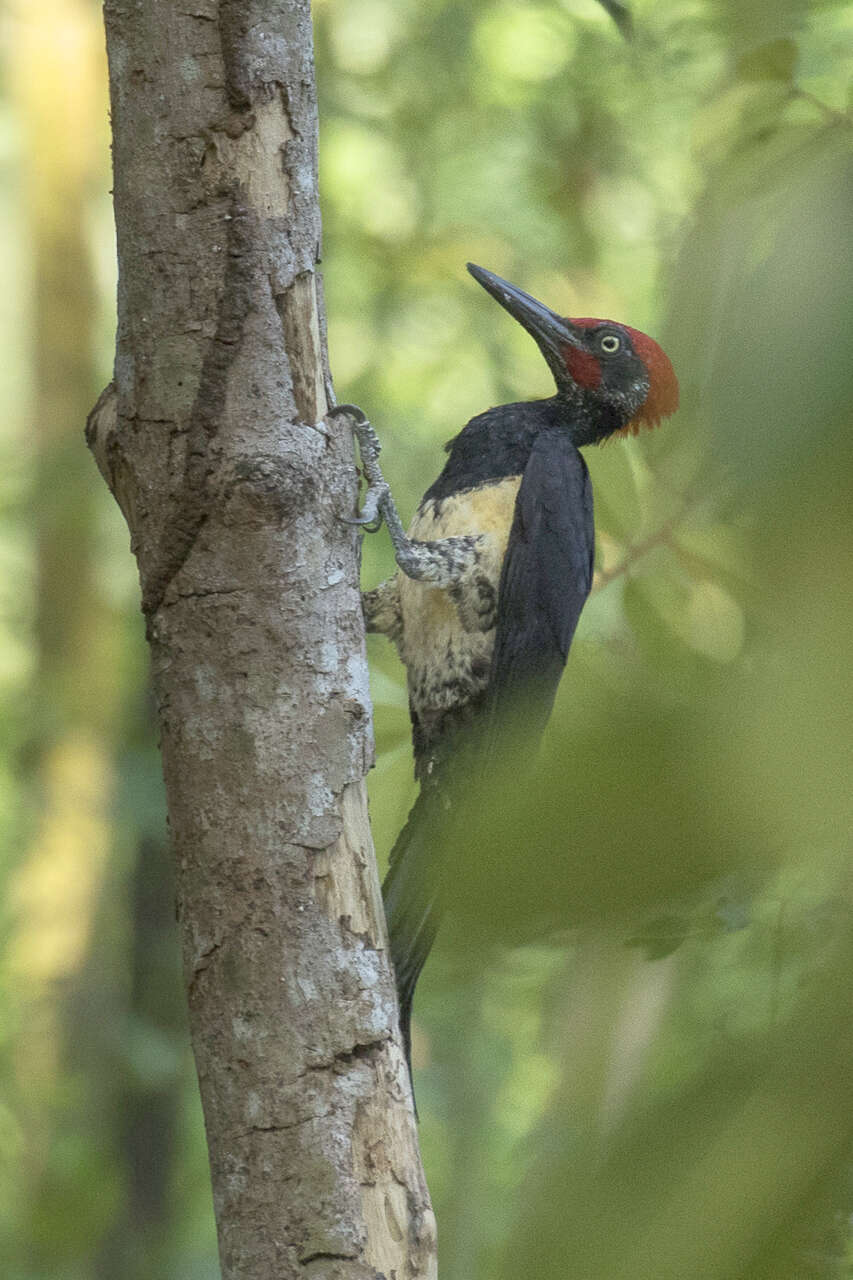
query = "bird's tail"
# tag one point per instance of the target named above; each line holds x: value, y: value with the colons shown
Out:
x: 412, y: 893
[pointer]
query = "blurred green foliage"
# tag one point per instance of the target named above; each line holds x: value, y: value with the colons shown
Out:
x: 634, y: 1040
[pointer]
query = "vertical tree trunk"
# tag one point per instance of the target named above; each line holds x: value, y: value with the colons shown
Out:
x: 214, y: 444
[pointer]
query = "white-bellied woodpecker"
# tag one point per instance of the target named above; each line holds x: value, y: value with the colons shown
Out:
x: 494, y: 571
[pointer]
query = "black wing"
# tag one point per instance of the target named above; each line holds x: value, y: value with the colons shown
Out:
x: 545, y: 581
x: 412, y: 893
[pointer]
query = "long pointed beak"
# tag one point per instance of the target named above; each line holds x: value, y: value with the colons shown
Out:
x: 550, y: 331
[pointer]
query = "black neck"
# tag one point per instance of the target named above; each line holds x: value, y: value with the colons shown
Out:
x: 497, y: 443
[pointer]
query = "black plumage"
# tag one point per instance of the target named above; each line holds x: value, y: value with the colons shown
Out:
x: 494, y: 445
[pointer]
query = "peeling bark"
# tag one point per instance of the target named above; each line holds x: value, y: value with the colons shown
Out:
x: 213, y: 440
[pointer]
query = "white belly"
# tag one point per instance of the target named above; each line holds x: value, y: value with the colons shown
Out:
x: 447, y: 656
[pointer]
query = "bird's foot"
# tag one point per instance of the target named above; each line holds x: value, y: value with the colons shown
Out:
x: 442, y: 562
x: 378, y: 498
x: 378, y: 506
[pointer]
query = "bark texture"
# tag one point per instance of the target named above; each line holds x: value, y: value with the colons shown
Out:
x: 214, y: 443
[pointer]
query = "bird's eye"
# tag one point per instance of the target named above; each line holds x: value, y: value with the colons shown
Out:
x: 610, y: 343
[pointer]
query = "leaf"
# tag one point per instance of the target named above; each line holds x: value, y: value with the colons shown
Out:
x: 714, y: 546
x: 775, y: 60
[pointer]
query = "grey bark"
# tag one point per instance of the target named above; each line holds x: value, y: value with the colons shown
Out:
x: 213, y: 441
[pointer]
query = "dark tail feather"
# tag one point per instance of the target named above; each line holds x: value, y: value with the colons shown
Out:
x: 412, y: 893
x: 404, y: 999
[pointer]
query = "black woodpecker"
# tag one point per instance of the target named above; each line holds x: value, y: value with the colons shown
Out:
x: 494, y: 572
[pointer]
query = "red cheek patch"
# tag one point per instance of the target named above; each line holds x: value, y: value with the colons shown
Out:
x: 583, y: 366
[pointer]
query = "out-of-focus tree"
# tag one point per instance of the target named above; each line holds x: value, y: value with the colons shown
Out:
x: 89, y: 993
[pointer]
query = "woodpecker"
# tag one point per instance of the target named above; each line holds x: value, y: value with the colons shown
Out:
x: 494, y: 571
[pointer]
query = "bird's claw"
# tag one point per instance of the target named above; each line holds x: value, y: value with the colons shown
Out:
x: 417, y: 560
x: 351, y: 411
x: 364, y: 522
x: 368, y: 441
x: 371, y: 515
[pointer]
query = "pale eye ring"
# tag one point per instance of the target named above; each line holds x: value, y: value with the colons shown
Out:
x: 610, y: 343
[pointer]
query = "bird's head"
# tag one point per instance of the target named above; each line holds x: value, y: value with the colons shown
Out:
x: 618, y: 378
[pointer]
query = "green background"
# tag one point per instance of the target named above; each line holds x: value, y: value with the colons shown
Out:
x: 633, y: 1045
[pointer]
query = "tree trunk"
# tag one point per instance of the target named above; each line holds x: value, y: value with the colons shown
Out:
x: 214, y: 443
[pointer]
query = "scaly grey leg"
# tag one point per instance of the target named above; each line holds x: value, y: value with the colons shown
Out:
x: 441, y: 563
